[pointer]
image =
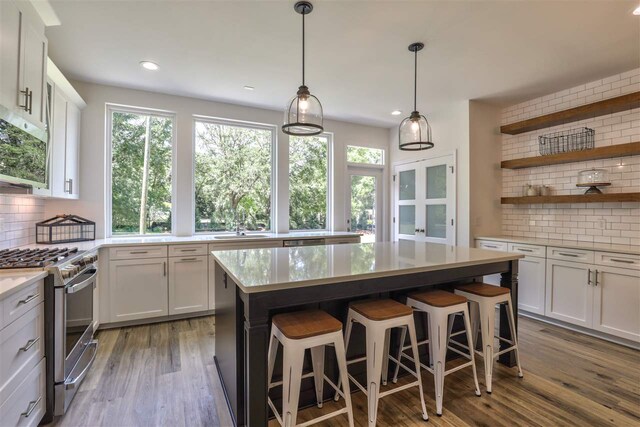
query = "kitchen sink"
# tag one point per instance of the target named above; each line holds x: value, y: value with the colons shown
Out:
x: 246, y: 236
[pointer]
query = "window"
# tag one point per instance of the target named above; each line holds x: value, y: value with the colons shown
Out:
x: 371, y: 156
x: 141, y: 170
x: 308, y: 182
x: 232, y: 176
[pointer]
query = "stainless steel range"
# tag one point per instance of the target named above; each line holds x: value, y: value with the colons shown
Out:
x: 68, y: 302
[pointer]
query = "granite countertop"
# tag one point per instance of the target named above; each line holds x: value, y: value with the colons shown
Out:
x: 13, y: 281
x: 201, y: 238
x: 266, y: 269
x: 569, y: 244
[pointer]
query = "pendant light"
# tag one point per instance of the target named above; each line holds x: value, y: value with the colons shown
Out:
x: 303, y: 114
x: 415, y: 131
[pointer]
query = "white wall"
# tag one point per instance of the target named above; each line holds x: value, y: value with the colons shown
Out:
x: 450, y: 127
x: 92, y: 152
x: 593, y: 222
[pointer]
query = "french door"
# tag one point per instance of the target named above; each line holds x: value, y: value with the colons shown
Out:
x: 425, y: 200
x: 364, y: 203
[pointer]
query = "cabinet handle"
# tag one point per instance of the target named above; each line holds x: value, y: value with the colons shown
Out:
x: 25, y: 107
x: 164, y: 268
x: 524, y: 250
x: 138, y: 252
x: 567, y: 254
x: 189, y: 259
x: 625, y: 261
x: 32, y: 405
x: 188, y: 250
x: 30, y: 102
x: 69, y: 184
x: 589, y: 278
x: 490, y: 246
x: 597, y: 277
x: 28, y: 299
x: 29, y: 344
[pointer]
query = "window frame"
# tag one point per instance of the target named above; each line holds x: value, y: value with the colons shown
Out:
x: 330, y: 168
x: 110, y: 108
x: 365, y: 165
x: 273, y: 185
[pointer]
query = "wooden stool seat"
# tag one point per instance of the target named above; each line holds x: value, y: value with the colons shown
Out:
x: 306, y: 324
x: 380, y: 309
x: 484, y: 290
x: 438, y: 298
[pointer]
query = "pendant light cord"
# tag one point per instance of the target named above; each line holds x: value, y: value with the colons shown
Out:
x: 303, y: 48
x: 415, y: 80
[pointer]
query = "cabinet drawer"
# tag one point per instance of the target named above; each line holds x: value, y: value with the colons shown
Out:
x: 529, y: 250
x: 618, y: 260
x: 576, y: 255
x: 492, y: 245
x: 22, y: 301
x: 184, y: 250
x: 21, y: 348
x: 133, y: 252
x: 25, y: 407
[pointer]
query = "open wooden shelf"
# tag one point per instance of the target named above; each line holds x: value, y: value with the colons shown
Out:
x: 572, y: 198
x: 600, y: 108
x: 619, y: 150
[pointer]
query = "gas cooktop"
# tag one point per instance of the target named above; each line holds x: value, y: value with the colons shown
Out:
x: 33, y: 258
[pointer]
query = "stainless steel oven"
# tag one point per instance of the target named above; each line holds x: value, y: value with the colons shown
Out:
x: 71, y: 347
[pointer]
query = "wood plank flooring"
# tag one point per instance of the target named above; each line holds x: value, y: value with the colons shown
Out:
x: 163, y: 375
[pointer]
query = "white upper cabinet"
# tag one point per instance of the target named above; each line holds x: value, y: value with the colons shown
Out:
x: 65, y: 135
x: 24, y: 62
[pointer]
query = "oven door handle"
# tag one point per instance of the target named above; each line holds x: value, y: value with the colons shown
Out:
x: 73, y: 383
x: 79, y: 286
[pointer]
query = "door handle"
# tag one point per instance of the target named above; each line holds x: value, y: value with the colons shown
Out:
x: 422, y: 230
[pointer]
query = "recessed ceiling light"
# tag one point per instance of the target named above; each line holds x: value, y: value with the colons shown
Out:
x: 637, y: 11
x: 396, y: 112
x: 148, y: 65
x: 249, y: 88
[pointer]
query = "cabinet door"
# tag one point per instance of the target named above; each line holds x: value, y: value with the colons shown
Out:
x: 531, y: 284
x: 10, y: 20
x: 138, y: 289
x: 71, y: 151
x: 58, y: 144
x: 490, y: 245
x: 616, y: 305
x: 569, y: 295
x: 34, y: 69
x: 188, y: 284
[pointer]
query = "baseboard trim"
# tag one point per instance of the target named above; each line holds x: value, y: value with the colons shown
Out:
x: 161, y: 319
x: 575, y: 328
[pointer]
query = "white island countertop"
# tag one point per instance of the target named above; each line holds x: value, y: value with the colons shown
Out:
x: 268, y: 269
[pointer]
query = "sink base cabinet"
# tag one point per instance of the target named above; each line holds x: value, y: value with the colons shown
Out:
x: 188, y: 284
x: 138, y: 289
x: 569, y: 296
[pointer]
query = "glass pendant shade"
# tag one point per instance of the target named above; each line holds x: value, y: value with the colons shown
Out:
x: 415, y: 133
x: 303, y: 114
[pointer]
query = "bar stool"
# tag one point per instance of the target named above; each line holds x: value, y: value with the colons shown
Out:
x: 297, y: 332
x: 483, y: 300
x: 378, y: 317
x: 441, y: 308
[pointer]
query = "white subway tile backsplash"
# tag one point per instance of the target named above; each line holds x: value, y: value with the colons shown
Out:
x: 18, y: 215
x: 576, y: 221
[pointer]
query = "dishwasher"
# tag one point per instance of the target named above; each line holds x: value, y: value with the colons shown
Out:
x: 303, y: 242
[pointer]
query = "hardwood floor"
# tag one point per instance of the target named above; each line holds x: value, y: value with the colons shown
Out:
x: 163, y: 375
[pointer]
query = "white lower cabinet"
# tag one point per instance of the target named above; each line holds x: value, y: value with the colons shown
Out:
x: 616, y: 302
x: 531, y: 284
x: 188, y: 284
x: 26, y: 405
x: 138, y: 289
x: 569, y: 294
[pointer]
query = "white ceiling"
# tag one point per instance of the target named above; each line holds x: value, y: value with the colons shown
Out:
x: 357, y: 59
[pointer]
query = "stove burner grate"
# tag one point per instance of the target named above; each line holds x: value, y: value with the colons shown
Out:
x: 33, y: 258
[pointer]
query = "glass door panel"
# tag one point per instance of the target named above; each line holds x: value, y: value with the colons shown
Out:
x: 363, y: 207
x: 436, y: 221
x: 436, y: 182
x: 407, y: 188
x: 407, y: 220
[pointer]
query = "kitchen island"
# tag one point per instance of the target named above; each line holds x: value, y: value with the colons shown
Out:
x: 252, y: 285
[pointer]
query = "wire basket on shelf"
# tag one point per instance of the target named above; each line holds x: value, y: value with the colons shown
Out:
x: 567, y: 140
x: 65, y: 229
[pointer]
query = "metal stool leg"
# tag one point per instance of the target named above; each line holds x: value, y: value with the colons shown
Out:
x: 317, y: 359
